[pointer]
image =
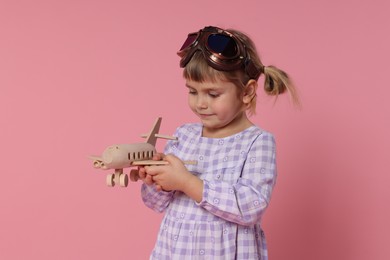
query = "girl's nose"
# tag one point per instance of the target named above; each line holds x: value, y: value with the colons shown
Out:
x: 201, y: 102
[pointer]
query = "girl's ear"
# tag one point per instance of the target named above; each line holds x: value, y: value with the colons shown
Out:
x: 250, y: 91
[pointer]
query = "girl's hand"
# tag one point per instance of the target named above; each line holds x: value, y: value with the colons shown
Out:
x: 143, y: 176
x: 171, y: 176
x: 146, y: 178
x: 175, y: 176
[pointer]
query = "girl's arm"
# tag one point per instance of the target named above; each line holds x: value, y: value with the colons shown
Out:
x: 244, y: 202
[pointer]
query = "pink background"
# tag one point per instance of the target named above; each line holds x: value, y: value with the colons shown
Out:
x: 77, y: 76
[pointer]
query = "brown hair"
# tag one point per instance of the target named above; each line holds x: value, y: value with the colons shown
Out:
x: 276, y: 80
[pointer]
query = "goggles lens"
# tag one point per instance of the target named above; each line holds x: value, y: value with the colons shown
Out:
x: 190, y: 40
x: 223, y: 45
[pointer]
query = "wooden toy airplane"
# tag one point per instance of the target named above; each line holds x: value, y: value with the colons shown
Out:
x: 120, y: 156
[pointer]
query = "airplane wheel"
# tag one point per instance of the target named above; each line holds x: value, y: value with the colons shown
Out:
x: 124, y: 180
x: 117, y: 177
x: 110, y: 180
x: 134, y: 175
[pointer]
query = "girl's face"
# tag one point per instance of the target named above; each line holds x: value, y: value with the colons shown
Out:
x: 220, y: 107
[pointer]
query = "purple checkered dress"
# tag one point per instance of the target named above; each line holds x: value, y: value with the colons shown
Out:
x: 239, y: 173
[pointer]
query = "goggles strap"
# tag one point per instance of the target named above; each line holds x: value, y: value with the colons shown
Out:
x: 251, y: 70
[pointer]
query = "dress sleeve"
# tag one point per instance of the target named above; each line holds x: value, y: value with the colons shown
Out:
x: 157, y: 200
x: 245, y: 201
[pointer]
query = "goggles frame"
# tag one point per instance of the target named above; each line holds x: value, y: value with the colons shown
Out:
x: 200, y: 41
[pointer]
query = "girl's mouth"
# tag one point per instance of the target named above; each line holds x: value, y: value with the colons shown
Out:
x: 204, y: 115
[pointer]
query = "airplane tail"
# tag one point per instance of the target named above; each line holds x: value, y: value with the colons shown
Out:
x: 151, y: 138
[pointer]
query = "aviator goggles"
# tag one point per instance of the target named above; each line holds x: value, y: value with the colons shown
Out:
x: 221, y: 49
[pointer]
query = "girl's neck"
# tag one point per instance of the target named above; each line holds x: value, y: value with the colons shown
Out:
x: 237, y: 125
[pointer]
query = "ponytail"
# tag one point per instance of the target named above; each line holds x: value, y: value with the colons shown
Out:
x: 277, y: 82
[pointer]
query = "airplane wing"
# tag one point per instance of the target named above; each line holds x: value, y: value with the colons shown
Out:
x: 148, y: 163
x: 153, y: 162
x: 168, y: 137
x: 95, y: 158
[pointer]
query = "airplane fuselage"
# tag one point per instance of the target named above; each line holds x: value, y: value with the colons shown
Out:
x: 120, y: 156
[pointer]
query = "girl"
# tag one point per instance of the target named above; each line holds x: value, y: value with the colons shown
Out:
x: 213, y: 208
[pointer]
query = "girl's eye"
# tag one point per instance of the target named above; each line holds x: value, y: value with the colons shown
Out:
x: 191, y: 92
x: 213, y: 94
